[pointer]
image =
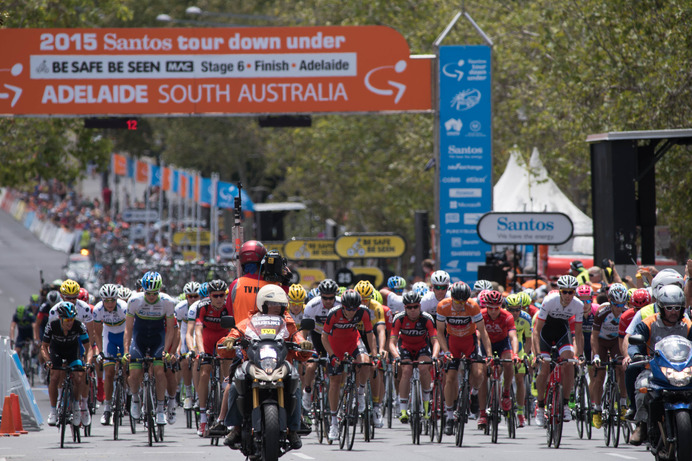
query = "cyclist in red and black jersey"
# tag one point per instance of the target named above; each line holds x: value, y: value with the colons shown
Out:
x: 415, y: 333
x: 340, y: 336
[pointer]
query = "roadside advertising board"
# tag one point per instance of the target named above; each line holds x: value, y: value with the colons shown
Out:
x: 518, y: 228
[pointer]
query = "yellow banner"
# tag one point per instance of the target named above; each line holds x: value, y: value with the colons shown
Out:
x: 370, y: 246
x: 188, y: 238
x: 310, y: 278
x: 311, y: 250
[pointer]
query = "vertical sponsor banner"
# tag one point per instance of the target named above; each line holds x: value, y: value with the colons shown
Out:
x: 465, y: 166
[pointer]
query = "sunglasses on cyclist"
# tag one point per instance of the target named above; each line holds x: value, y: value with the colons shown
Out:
x: 514, y: 309
x: 328, y: 298
x: 109, y: 300
x: 192, y: 296
x: 350, y: 309
x: 218, y: 295
x: 619, y: 304
x: 672, y: 308
x: 440, y: 287
x: 587, y: 301
x: 149, y: 293
x: 567, y: 292
x: 412, y: 306
x: 69, y: 298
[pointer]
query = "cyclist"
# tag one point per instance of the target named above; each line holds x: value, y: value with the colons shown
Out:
x: 552, y: 329
x: 23, y: 321
x: 270, y: 300
x: 440, y: 290
x: 109, y: 325
x: 460, y: 318
x: 191, y: 293
x: 318, y: 309
x: 34, y: 303
x: 340, y: 336
x: 604, y: 342
x: 640, y: 298
x: 149, y: 331
x: 124, y: 293
x: 480, y: 285
x: 522, y: 321
x: 392, y: 294
x: 52, y: 298
x: 421, y: 288
x: 416, y: 331
x: 669, y: 320
x: 61, y: 342
x: 502, y: 331
x: 379, y: 323
x: 296, y: 302
x: 208, y: 332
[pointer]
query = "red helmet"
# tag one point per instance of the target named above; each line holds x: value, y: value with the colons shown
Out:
x: 491, y: 298
x: 641, y: 298
x: 252, y: 251
x: 83, y: 295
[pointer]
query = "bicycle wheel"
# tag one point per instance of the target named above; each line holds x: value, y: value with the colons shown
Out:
x: 434, y: 412
x: 442, y: 412
x: 149, y: 415
x: 548, y: 415
x: 494, y: 416
x: 605, y: 417
x: 133, y: 421
x: 512, y: 415
x: 557, y: 416
x: 615, y: 416
x: 318, y: 410
x: 352, y: 419
x: 528, y: 399
x: 326, y: 413
x: 64, y: 414
x: 344, y: 415
x: 588, y: 411
x: 462, y: 412
x: 389, y: 396
x: 414, y: 404
x: 117, y: 408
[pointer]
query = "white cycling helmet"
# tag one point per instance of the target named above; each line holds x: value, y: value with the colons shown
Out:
x: 481, y: 285
x: 439, y: 278
x: 567, y: 282
x: 191, y: 288
x: 664, y: 278
x: 109, y: 291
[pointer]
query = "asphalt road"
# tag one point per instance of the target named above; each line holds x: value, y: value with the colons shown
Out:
x: 22, y: 256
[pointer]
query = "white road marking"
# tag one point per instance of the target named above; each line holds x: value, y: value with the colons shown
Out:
x: 620, y: 456
x: 300, y: 455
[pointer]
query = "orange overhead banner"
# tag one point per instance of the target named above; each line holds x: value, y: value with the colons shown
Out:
x: 141, y: 171
x: 119, y: 165
x: 224, y: 71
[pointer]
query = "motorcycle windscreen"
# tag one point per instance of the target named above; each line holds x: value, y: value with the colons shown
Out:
x: 675, y: 349
x: 264, y: 326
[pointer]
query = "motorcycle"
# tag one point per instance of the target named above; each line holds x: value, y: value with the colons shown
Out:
x: 670, y: 406
x: 266, y: 385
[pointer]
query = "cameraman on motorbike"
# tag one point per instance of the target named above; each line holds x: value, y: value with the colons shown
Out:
x: 271, y: 300
x: 670, y: 320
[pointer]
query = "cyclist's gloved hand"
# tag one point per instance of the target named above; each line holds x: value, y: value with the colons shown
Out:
x: 192, y: 354
x: 334, y: 361
x: 597, y: 360
x: 100, y: 357
x: 228, y: 343
x: 305, y: 345
x: 126, y: 359
x: 48, y: 365
x: 515, y: 357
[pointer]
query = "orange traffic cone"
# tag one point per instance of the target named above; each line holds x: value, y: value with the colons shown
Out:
x: 7, y: 425
x: 17, y: 414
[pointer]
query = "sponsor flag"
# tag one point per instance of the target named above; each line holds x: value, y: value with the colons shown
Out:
x: 166, y: 174
x: 154, y: 175
x: 142, y: 171
x: 175, y: 181
x: 119, y: 164
x: 227, y: 193
x: 130, y: 167
x: 196, y: 185
x: 205, y: 191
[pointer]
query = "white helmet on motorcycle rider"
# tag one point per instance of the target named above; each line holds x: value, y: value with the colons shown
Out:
x: 670, y: 297
x: 271, y: 294
x: 666, y: 277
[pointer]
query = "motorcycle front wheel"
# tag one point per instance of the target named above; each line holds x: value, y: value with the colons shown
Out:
x: 270, y: 431
x: 683, y: 428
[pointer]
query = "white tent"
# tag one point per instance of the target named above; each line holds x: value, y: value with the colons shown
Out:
x: 529, y: 188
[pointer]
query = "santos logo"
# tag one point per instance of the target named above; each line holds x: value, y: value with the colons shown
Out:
x: 465, y: 150
x: 505, y: 224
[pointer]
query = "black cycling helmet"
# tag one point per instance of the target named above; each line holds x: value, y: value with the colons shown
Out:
x: 460, y: 291
x: 328, y: 287
x: 66, y: 310
x: 217, y: 285
x: 350, y: 299
x: 411, y: 297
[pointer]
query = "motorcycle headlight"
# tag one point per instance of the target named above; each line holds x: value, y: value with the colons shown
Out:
x: 268, y: 364
x: 678, y: 378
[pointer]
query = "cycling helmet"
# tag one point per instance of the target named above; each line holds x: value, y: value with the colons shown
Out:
x: 618, y: 294
x: 531, y: 293
x: 341, y: 290
x: 421, y: 288
x: 481, y: 285
x: 439, y: 278
x: 314, y: 293
x: 34, y: 299
x: 108, y: 291
x: 666, y: 277
x: 191, y: 288
x: 525, y: 299
x: 411, y: 297
x: 584, y: 290
x: 396, y: 283
x: 20, y: 311
x: 152, y: 281
x: 124, y: 293
x: 296, y: 293
x: 350, y: 300
x: 217, y: 285
x: 204, y: 290
x: 252, y: 251
x: 460, y: 291
x: 364, y: 289
x: 67, y: 310
x: 513, y: 300
x: 53, y: 297
x: 641, y: 298
x: 377, y: 296
x: 328, y: 287
x: 138, y: 284
x: 567, y: 282
x: 271, y: 293
x: 83, y: 295
x: 492, y: 298
x: 69, y: 288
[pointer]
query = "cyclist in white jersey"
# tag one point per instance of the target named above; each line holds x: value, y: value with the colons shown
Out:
x: 317, y: 309
x: 109, y: 325
x: 190, y: 339
x: 552, y: 329
x: 191, y: 292
x: 440, y: 290
x: 149, y: 331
